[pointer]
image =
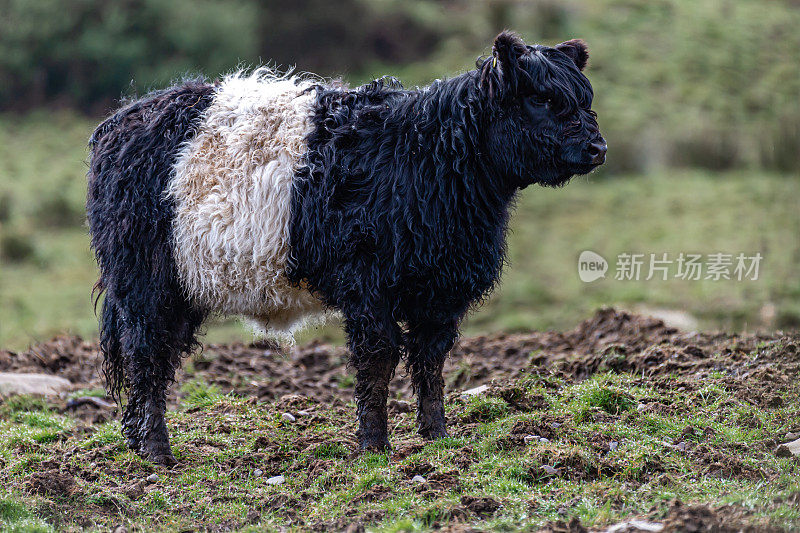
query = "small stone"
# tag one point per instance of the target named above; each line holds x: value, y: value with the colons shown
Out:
x: 531, y: 438
x: 152, y: 478
x: 551, y: 470
x: 418, y: 479
x: 543, y: 440
x: 613, y: 445
x: 288, y: 417
x: 258, y: 472
x: 788, y: 449
x: 681, y: 446
x: 120, y: 529
x: 632, y: 526
x: 792, y: 436
x: 555, y: 425
x: 641, y: 407
x: 276, y: 480
x: 304, y: 413
x: 475, y: 391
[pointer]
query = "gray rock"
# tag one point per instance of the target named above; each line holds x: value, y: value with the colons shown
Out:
x: 304, y: 413
x: 288, y: 417
x: 418, y: 479
x: 613, y: 445
x: 551, y: 470
x: 258, y: 472
x: 535, y: 438
x: 792, y: 436
x: 152, y: 478
x: 788, y: 449
x: 276, y: 480
x: 39, y: 384
x: 635, y: 526
x: 475, y: 391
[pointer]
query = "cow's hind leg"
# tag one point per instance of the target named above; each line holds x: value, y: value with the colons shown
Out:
x: 147, y: 321
x: 375, y: 347
x: 428, y: 344
x: 143, y: 350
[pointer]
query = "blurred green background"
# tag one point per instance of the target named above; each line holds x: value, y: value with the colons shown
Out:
x: 699, y: 101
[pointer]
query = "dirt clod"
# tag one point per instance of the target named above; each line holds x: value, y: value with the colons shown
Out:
x: 480, y: 505
x: 52, y: 483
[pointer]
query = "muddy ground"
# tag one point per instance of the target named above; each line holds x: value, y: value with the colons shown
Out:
x: 762, y: 369
x: 610, y: 340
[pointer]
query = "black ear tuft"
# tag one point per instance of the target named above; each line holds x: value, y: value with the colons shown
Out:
x: 577, y: 50
x: 508, y: 48
x: 500, y: 73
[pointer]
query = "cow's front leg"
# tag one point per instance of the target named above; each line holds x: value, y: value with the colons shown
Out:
x: 428, y: 344
x: 375, y: 348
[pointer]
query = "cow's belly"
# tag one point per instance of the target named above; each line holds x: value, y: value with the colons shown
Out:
x: 232, y: 189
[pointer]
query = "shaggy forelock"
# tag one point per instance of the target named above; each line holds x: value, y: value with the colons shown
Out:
x: 553, y: 74
x: 548, y: 73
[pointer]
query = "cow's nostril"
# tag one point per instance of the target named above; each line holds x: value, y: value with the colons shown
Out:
x: 597, y: 151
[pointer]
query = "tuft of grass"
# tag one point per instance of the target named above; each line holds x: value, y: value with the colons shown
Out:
x: 22, y: 403
x: 600, y: 393
x: 484, y: 409
x: 197, y: 393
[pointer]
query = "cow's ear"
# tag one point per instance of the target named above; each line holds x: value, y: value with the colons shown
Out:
x: 508, y: 48
x: 499, y: 75
x: 577, y: 50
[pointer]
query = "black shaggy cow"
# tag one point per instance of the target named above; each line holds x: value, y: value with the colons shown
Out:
x: 285, y: 199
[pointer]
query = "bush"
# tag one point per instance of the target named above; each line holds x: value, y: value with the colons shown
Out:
x: 58, y: 212
x: 16, y: 248
x: 5, y: 207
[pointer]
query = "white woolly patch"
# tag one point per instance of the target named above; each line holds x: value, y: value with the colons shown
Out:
x: 232, y: 189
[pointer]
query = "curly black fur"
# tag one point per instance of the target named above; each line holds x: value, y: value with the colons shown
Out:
x: 401, y: 208
x: 146, y: 321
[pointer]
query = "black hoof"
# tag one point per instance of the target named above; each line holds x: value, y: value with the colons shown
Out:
x: 158, y: 452
x: 375, y: 445
x: 167, y: 460
x: 433, y: 433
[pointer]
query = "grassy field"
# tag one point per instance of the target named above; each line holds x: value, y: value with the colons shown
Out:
x: 47, y: 269
x: 694, y: 423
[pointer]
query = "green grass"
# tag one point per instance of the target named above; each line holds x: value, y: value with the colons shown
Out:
x: 47, y: 290
x: 220, y: 441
